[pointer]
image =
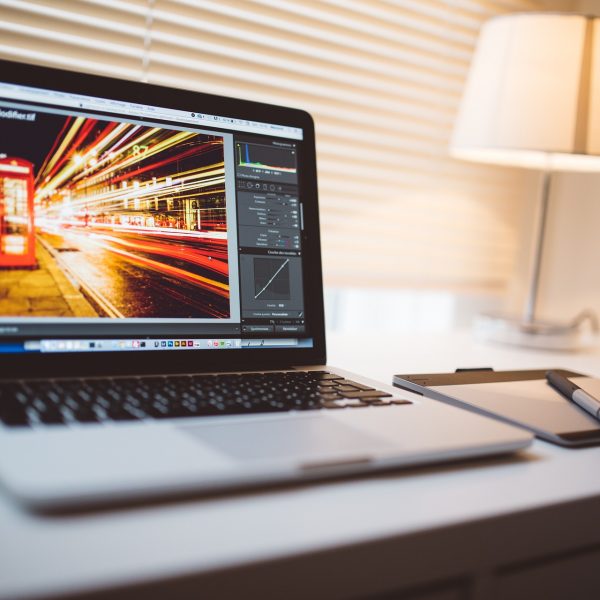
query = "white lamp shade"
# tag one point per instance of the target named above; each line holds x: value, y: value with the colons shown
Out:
x: 532, y: 97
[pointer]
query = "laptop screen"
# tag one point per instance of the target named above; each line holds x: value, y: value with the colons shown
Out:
x: 132, y: 227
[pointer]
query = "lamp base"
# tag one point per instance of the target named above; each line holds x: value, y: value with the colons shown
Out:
x: 543, y: 335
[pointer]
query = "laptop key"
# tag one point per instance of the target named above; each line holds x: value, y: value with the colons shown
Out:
x: 321, y: 375
x: 51, y: 416
x: 351, y: 403
x: 346, y: 388
x: 121, y: 414
x: 85, y: 415
x: 332, y: 404
x: 360, y: 386
x: 330, y: 396
x: 12, y: 412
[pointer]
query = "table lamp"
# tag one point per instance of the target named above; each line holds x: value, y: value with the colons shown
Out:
x: 532, y: 100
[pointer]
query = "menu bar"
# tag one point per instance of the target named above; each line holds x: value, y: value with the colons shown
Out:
x: 57, y: 98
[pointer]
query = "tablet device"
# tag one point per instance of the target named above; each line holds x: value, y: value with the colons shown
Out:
x: 521, y: 398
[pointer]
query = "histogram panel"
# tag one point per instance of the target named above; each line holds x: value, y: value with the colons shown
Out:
x: 264, y: 162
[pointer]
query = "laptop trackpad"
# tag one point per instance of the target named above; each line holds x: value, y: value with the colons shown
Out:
x: 305, y: 438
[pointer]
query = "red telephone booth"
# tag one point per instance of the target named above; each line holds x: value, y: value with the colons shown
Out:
x: 17, y: 236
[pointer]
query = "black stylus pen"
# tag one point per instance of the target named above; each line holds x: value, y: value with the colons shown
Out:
x: 573, y: 392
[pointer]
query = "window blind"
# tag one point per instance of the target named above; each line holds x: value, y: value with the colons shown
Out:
x: 106, y: 37
x: 382, y: 78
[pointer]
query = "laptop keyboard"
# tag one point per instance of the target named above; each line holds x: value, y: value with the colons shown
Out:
x: 68, y: 401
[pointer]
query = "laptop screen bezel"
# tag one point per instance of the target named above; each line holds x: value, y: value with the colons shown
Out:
x: 75, y: 364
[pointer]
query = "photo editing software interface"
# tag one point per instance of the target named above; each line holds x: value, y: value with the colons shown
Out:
x: 129, y: 227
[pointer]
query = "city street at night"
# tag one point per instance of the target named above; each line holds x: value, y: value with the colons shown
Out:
x: 134, y: 216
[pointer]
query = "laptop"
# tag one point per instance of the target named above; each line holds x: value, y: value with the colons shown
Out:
x: 161, y: 304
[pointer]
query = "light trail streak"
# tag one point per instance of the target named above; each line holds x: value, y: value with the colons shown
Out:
x: 44, y: 172
x: 166, y: 232
x: 53, y: 154
x: 180, y: 252
x: 102, y: 143
x: 114, y: 148
x: 125, y: 161
x: 222, y: 289
x: 70, y: 154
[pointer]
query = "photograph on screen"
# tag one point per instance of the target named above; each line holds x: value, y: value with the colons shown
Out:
x: 110, y: 218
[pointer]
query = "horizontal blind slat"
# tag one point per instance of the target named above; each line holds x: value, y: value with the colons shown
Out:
x: 124, y: 17
x: 105, y: 38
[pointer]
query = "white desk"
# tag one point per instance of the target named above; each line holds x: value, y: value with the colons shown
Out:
x: 522, y: 527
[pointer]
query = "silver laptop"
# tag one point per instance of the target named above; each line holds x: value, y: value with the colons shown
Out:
x: 161, y: 304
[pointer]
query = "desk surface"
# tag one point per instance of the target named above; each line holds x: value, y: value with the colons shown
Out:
x: 52, y: 555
